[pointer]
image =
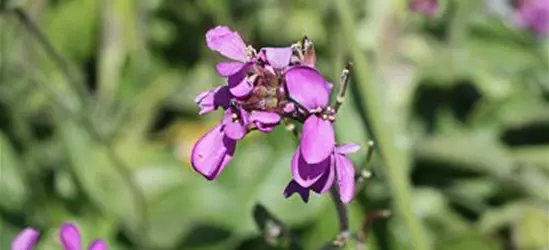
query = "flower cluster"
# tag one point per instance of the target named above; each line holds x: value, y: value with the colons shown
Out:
x: 263, y: 88
x: 534, y: 14
x: 69, y: 237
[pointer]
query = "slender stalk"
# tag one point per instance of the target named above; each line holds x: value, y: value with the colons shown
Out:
x: 344, y: 82
x: 364, y: 172
x: 61, y: 62
x: 396, y: 159
x: 120, y: 164
x: 342, y: 216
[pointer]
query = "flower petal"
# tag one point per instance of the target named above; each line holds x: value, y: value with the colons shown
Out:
x: 228, y: 68
x: 318, y: 139
x: 227, y: 43
x: 265, y: 117
x: 239, y: 84
x: 208, y: 153
x: 265, y: 128
x: 25, y: 240
x: 308, y: 87
x: 98, y: 245
x: 293, y: 187
x: 325, y: 183
x: 212, y: 99
x: 230, y: 145
x: 240, y: 89
x: 235, y: 130
x: 535, y: 16
x: 345, y: 178
x: 306, y: 174
x: 70, y: 237
x: 278, y: 57
x: 347, y: 148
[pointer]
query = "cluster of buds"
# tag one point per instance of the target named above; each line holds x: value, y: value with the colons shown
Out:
x: 264, y: 88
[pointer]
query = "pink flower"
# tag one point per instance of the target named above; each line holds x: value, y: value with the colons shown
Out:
x: 428, y: 7
x: 320, y: 177
x: 534, y: 14
x: 69, y: 237
x: 308, y: 88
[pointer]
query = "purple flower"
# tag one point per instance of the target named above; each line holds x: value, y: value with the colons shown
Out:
x: 278, y: 58
x: 308, y: 88
x: 212, y: 99
x: 25, y: 240
x: 264, y: 121
x: 428, y: 7
x: 229, y: 44
x: 68, y: 235
x: 534, y: 14
x: 320, y: 177
x: 212, y: 152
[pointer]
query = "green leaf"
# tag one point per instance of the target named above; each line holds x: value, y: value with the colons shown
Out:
x: 465, y: 240
x: 499, y: 217
x: 95, y: 170
x: 71, y: 26
x: 531, y: 230
x: 14, y: 190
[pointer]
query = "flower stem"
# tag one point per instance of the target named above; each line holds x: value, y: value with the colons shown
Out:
x: 344, y: 82
x: 342, y: 216
x: 396, y: 159
x: 364, y: 172
x: 61, y: 62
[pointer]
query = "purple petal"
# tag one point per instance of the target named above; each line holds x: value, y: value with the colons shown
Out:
x: 231, y: 147
x: 325, y: 183
x: 235, y: 129
x: 428, y: 7
x: 240, y: 85
x: 318, y: 139
x: 210, y: 152
x: 229, y: 68
x: 241, y: 89
x: 227, y: 43
x: 345, y: 178
x: 307, y: 86
x: 347, y: 148
x: 265, y: 128
x: 293, y: 187
x: 278, y: 57
x: 70, y: 237
x: 535, y: 15
x: 306, y: 174
x: 98, y: 245
x: 212, y: 99
x: 264, y: 117
x: 25, y: 240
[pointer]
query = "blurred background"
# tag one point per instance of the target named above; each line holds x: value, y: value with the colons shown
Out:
x: 97, y: 121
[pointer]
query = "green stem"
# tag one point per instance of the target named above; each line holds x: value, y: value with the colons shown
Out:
x: 396, y: 159
x: 62, y: 63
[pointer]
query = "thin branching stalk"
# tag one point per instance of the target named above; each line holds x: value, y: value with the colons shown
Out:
x: 396, y: 159
x: 60, y: 61
x: 119, y: 163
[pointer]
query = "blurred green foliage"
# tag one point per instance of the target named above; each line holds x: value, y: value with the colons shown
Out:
x: 466, y: 93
